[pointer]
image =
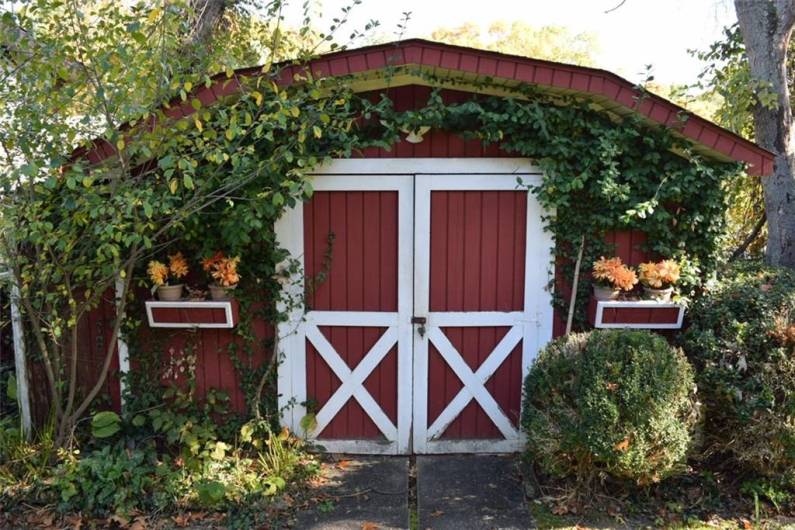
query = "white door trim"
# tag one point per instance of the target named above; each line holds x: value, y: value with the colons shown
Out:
x: 428, y: 166
x: 533, y: 325
x: 302, y: 326
x: 535, y: 321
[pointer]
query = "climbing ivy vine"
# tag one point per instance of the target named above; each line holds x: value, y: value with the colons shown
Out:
x: 601, y: 172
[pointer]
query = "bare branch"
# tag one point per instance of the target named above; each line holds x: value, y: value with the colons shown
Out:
x: 614, y: 8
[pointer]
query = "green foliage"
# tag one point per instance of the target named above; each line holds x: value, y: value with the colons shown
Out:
x: 777, y: 491
x: 553, y: 43
x: 111, y: 480
x: 172, y: 471
x: 599, y: 175
x: 727, y: 77
x: 11, y: 387
x: 618, y: 402
x: 210, y: 492
x: 105, y: 424
x: 742, y: 341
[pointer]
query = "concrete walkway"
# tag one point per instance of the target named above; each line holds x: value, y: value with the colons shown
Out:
x: 361, y: 493
x: 471, y: 492
x: 456, y: 492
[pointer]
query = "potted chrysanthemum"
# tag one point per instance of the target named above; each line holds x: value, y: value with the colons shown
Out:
x: 610, y: 277
x: 165, y: 278
x: 658, y: 279
x: 223, y: 272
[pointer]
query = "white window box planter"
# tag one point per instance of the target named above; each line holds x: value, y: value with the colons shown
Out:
x: 208, y: 314
x: 637, y: 314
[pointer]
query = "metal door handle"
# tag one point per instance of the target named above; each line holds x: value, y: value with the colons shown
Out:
x: 421, y: 321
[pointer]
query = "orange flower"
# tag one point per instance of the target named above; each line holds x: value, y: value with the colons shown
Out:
x: 178, y: 265
x: 614, y: 273
x: 225, y: 272
x: 157, y: 272
x: 659, y: 275
x: 210, y: 263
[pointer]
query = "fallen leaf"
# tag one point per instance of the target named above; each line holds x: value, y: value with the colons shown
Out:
x: 139, y: 523
x: 612, y: 386
x: 437, y: 513
x: 181, y: 520
x: 746, y: 523
x: 118, y: 519
x: 367, y: 525
x: 74, y: 521
x: 623, y: 445
x: 343, y: 464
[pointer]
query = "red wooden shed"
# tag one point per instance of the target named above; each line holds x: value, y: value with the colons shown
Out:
x: 437, y: 298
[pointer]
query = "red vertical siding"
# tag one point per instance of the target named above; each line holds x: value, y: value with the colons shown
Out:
x: 477, y: 250
x: 363, y: 269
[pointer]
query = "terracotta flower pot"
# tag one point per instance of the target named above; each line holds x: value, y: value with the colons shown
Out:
x: 661, y: 295
x: 218, y: 292
x: 169, y: 293
x: 605, y: 293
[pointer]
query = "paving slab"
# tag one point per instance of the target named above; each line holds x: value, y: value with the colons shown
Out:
x: 471, y: 492
x: 365, y: 492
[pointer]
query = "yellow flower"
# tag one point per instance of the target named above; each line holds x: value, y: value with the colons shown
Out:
x: 225, y: 271
x: 158, y: 272
x: 613, y: 272
x: 178, y: 265
x: 659, y: 275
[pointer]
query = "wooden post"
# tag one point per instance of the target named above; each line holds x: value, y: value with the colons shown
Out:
x: 20, y: 362
x: 121, y: 348
x: 574, y: 284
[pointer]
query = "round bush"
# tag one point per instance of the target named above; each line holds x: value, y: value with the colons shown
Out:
x: 620, y: 402
x: 742, y: 342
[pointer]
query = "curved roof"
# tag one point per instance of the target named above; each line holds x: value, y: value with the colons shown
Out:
x: 408, y: 59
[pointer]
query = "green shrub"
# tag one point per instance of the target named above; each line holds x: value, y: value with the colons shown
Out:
x: 742, y: 342
x: 620, y: 402
x: 110, y: 480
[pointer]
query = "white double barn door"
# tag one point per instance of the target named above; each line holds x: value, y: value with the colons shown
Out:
x: 435, y: 362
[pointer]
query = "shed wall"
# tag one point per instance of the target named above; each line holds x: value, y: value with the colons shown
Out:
x: 214, y: 367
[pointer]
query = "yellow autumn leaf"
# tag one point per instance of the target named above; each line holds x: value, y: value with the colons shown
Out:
x: 172, y: 185
x: 120, y: 144
x: 257, y: 97
x: 295, y: 111
x: 154, y: 15
x: 198, y: 124
x: 230, y: 134
x: 188, y: 85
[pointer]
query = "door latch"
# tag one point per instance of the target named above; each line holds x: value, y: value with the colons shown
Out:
x: 421, y: 322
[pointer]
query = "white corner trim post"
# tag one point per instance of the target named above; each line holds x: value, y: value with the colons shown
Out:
x: 121, y: 348
x: 20, y: 362
x: 290, y: 337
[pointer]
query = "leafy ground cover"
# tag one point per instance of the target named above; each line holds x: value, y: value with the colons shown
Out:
x: 172, y: 466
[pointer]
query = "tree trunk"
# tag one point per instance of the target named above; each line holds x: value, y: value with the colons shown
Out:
x: 208, y: 14
x: 766, y: 26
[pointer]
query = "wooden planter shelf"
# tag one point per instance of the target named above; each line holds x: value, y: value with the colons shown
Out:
x: 636, y: 314
x: 208, y: 314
